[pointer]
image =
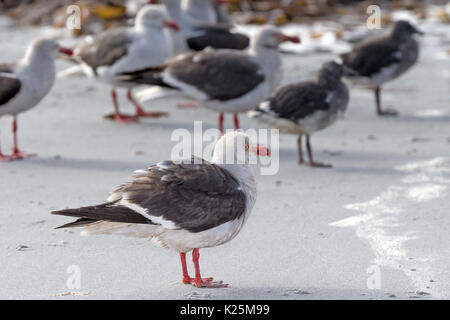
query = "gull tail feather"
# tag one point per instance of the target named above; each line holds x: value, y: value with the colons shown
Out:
x: 110, y: 211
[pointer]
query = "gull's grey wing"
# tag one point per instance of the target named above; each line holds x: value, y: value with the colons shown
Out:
x: 194, y: 197
x: 369, y: 57
x: 9, y: 84
x: 217, y: 37
x: 297, y: 101
x: 105, y: 48
x: 220, y: 75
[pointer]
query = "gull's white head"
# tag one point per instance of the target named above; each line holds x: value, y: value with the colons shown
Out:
x: 154, y: 17
x: 47, y: 48
x: 237, y: 148
x: 271, y: 37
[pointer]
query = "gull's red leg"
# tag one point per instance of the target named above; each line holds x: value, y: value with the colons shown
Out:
x: 300, y: 149
x: 122, y: 118
x: 140, y: 112
x: 186, y: 278
x: 221, y: 117
x: 3, y: 157
x: 236, y: 121
x: 312, y: 163
x: 198, y: 281
x: 16, y: 153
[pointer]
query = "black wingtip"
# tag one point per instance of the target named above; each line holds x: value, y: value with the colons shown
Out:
x: 78, y: 223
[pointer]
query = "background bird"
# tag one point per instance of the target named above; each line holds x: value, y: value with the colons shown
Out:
x: 227, y: 81
x: 127, y: 49
x: 307, y: 107
x: 182, y: 207
x: 382, y: 58
x: 25, y: 83
x: 197, y: 34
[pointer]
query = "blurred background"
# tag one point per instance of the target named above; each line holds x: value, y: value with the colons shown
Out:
x: 103, y: 14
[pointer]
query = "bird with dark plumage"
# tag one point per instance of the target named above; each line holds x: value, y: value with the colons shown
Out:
x: 200, y: 32
x: 382, y: 58
x: 227, y: 81
x: 182, y: 206
x: 307, y: 107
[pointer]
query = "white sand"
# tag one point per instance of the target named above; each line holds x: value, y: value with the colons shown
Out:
x: 313, y: 233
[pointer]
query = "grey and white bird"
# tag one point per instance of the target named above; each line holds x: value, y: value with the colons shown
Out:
x: 118, y: 50
x: 382, y: 58
x: 200, y: 10
x: 226, y: 81
x: 23, y: 84
x: 307, y: 107
x: 182, y: 206
x: 198, y: 34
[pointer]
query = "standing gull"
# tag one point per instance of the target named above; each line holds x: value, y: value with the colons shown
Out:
x: 307, y: 107
x: 382, y: 58
x: 199, y: 35
x: 25, y: 83
x: 222, y: 80
x: 182, y: 207
x: 127, y: 49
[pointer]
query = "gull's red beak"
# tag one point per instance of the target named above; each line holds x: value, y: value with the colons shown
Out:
x: 261, y: 151
x: 285, y: 38
x: 66, y: 51
x: 171, y: 24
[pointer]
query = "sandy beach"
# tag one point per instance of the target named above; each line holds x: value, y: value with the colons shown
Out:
x: 381, y: 211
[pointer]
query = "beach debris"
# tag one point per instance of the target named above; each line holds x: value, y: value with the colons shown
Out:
x: 73, y: 293
x: 60, y: 243
x: 194, y: 295
x: 22, y: 247
x: 94, y: 15
x: 295, y: 291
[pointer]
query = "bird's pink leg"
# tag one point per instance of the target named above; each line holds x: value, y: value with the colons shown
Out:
x: 311, y: 162
x: 3, y: 157
x: 140, y: 112
x: 236, y: 121
x: 122, y: 118
x: 221, y: 117
x: 16, y: 153
x: 186, y: 278
x: 198, y: 281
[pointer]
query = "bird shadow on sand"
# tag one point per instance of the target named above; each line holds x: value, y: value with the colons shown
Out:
x: 168, y: 124
x: 234, y: 292
x: 342, y: 161
x: 87, y: 164
x: 444, y: 118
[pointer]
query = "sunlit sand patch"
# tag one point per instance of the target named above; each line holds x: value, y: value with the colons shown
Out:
x: 431, y: 113
x: 425, y: 192
x: 426, y: 181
